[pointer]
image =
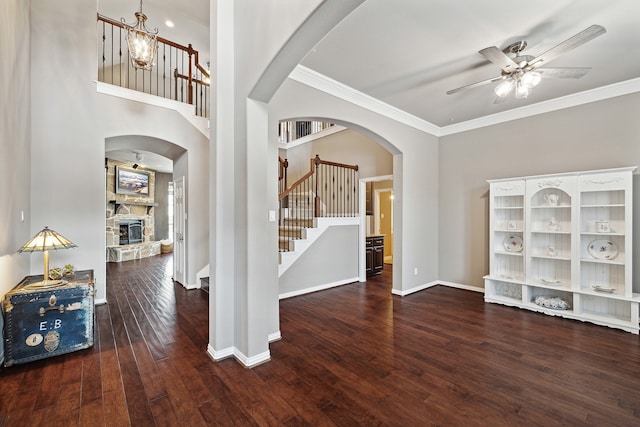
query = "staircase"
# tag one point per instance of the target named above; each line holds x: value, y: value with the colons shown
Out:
x: 292, y: 229
x: 297, y: 219
x: 328, y: 190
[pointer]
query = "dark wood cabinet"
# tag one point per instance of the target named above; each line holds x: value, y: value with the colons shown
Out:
x: 374, y: 255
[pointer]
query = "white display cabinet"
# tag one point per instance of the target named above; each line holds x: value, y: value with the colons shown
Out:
x: 507, y: 226
x: 562, y: 244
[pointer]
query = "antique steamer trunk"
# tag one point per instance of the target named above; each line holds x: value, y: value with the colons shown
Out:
x: 44, y: 320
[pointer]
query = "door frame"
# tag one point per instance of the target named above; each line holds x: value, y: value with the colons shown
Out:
x: 376, y: 222
x: 362, y: 275
x: 179, y: 232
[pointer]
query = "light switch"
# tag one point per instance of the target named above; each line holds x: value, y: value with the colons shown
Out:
x: 272, y: 216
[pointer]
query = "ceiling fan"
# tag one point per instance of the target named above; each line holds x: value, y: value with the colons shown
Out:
x: 522, y: 72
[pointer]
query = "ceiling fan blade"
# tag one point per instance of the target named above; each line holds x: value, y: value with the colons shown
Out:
x: 472, y: 85
x: 563, y: 73
x: 499, y: 58
x: 571, y: 43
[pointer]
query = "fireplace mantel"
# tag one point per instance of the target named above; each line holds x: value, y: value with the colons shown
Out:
x: 118, y: 203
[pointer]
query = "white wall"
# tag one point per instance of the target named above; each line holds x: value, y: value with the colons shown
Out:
x: 333, y: 258
x: 69, y: 125
x: 599, y: 135
x: 347, y: 146
x: 15, y: 136
x: 14, y: 142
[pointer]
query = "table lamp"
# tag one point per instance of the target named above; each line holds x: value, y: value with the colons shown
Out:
x: 44, y: 241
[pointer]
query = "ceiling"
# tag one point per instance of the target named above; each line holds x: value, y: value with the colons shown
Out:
x: 409, y: 53
x: 190, y: 19
x: 144, y: 159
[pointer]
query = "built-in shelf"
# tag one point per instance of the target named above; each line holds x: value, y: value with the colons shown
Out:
x: 553, y: 271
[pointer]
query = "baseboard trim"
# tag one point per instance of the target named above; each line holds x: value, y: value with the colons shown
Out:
x: 461, y: 286
x: 251, y: 362
x: 247, y: 362
x: 318, y: 288
x: 218, y: 355
x: 189, y: 287
x: 100, y: 301
x: 436, y: 283
x: 275, y: 336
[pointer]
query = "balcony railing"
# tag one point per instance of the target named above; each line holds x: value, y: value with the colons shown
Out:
x: 289, y: 131
x: 177, y: 74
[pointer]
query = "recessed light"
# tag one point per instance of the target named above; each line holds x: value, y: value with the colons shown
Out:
x: 168, y: 23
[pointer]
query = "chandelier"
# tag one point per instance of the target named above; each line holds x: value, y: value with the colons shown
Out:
x: 142, y: 42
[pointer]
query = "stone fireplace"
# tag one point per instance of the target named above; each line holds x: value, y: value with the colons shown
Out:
x: 131, y: 231
x: 129, y: 221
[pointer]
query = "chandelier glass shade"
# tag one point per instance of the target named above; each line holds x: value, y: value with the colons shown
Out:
x: 142, y: 42
x: 522, y: 82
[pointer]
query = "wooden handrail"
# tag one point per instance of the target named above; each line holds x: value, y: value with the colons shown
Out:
x: 288, y: 191
x: 314, y: 163
x: 341, y: 165
x: 160, y: 39
x: 184, y: 77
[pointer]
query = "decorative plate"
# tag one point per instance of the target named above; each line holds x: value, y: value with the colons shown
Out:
x: 513, y: 244
x: 602, y: 249
x: 550, y: 282
x: 605, y: 289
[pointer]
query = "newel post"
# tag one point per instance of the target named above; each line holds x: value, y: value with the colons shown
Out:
x: 316, y: 199
x: 190, y: 51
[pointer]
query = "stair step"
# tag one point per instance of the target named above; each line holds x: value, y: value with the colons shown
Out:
x: 291, y: 232
x: 204, y: 284
x: 285, y: 244
x: 302, y: 222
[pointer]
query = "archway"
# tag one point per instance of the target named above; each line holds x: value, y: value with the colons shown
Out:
x: 151, y: 213
x: 344, y: 144
x: 244, y: 303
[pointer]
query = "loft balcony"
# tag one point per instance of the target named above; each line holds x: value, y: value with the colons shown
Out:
x: 176, y: 75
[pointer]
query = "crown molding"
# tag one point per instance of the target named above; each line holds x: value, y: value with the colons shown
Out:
x: 573, y: 100
x: 325, y: 84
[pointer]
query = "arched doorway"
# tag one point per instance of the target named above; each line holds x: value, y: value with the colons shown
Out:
x: 153, y: 212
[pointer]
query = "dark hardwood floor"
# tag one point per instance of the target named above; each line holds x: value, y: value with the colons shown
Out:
x: 353, y: 355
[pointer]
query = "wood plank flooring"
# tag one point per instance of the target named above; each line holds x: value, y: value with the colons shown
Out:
x: 350, y: 356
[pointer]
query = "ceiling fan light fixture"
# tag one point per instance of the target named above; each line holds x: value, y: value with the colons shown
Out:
x: 522, y: 91
x: 504, y: 88
x: 531, y: 79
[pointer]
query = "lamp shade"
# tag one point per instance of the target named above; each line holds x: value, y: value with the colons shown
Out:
x: 46, y: 240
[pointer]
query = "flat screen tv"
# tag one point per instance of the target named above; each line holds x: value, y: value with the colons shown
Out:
x: 133, y: 182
